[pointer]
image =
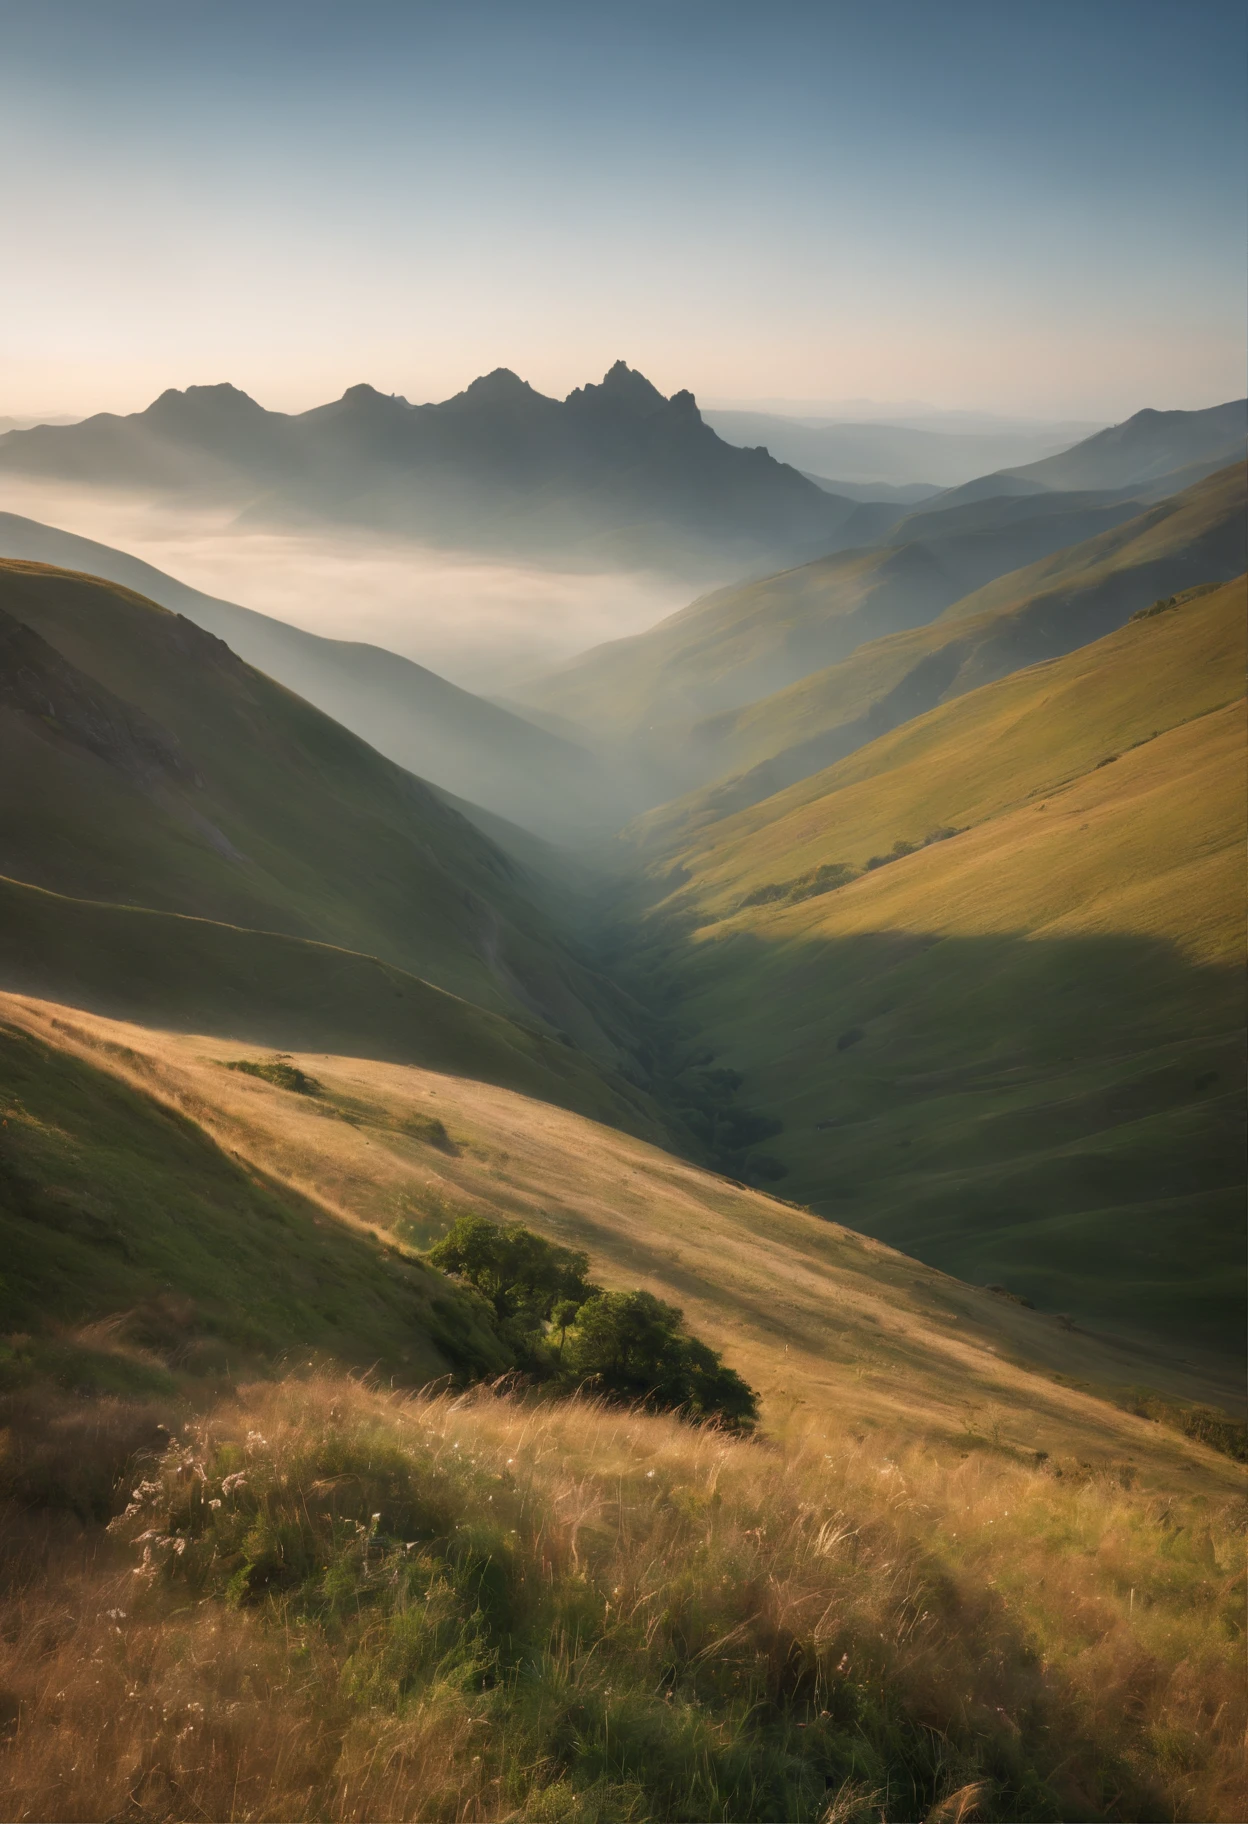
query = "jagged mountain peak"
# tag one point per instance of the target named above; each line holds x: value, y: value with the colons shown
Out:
x: 624, y: 387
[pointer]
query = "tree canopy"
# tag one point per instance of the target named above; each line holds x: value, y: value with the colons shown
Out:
x: 562, y: 1327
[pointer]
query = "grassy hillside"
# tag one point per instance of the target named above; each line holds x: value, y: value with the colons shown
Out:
x: 194, y: 974
x: 144, y: 763
x: 1013, y: 1051
x: 116, y: 1210
x: 823, y: 1321
x: 352, y: 1606
x: 1154, y: 553
x: 948, y: 1576
x: 1039, y: 612
x: 739, y: 644
x: 458, y: 741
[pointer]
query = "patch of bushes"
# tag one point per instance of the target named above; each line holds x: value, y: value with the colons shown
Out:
x: 432, y: 1131
x: 902, y: 848
x: 562, y: 1328
x: 825, y: 879
x: 279, y: 1072
x: 1204, y: 1423
x: 850, y: 1037
x: 1160, y: 606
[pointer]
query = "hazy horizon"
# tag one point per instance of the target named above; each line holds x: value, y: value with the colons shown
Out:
x: 994, y: 211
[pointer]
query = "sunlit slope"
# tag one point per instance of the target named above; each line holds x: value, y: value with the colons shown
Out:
x: 742, y: 643
x: 1015, y: 1052
x: 112, y: 1203
x: 145, y: 764
x: 1158, y: 552
x: 828, y: 1324
x: 1036, y: 613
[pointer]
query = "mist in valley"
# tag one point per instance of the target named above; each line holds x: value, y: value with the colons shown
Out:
x: 485, y: 624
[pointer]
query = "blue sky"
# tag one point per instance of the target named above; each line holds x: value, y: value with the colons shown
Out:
x: 1016, y: 206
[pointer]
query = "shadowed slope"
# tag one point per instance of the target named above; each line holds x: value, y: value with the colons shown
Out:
x: 1014, y: 1051
x: 446, y: 735
x: 110, y: 1201
x: 147, y: 767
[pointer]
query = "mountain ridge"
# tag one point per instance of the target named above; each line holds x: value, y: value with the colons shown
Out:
x: 615, y: 472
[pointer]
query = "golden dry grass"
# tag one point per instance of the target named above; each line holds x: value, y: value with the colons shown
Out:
x: 829, y: 1325
x: 686, y: 1614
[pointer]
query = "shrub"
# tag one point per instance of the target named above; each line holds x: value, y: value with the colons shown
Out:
x: 824, y: 879
x: 900, y: 848
x: 630, y: 1345
x: 561, y: 1327
x: 279, y: 1072
x: 521, y: 1274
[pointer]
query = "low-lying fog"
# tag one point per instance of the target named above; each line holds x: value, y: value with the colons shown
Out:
x: 481, y: 623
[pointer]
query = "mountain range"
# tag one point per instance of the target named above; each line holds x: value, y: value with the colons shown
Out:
x: 615, y: 475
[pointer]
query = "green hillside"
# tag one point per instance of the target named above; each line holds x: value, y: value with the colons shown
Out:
x: 260, y: 865
x: 445, y: 735
x: 744, y: 642
x: 1039, y: 612
x: 111, y: 1203
x: 1014, y: 1051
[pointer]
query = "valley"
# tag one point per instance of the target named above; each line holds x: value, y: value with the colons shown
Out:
x: 851, y: 962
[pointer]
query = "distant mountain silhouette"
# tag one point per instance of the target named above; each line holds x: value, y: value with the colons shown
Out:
x: 1161, y: 452
x: 614, y: 474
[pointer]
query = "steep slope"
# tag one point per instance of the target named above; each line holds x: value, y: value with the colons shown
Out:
x: 616, y: 473
x: 827, y: 1323
x: 1014, y: 1051
x: 148, y: 770
x: 1143, y: 450
x: 112, y: 1203
x: 737, y: 645
x: 947, y: 1566
x: 1039, y: 612
x: 474, y: 749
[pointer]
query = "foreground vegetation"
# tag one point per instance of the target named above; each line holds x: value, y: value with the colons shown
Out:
x: 325, y: 1601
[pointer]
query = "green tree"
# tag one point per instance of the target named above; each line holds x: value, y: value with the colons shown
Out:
x: 630, y: 1345
x: 523, y: 1276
